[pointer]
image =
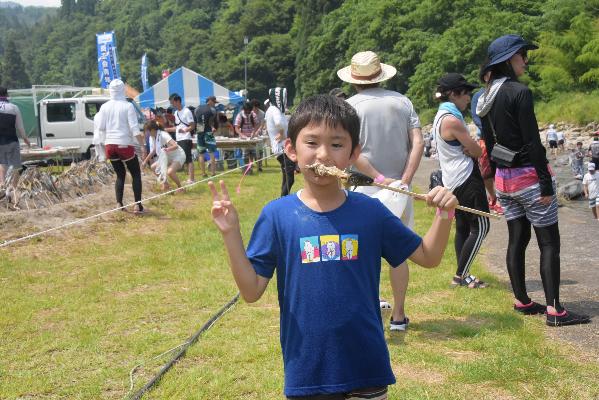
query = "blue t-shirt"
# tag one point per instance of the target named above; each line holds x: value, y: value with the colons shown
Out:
x: 328, y: 272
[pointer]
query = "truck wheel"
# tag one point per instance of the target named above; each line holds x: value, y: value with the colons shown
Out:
x: 87, y: 155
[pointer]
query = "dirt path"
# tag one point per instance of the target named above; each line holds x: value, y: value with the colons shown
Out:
x: 579, y: 265
x: 15, y: 224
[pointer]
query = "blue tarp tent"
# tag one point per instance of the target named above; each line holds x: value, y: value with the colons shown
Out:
x: 191, y: 86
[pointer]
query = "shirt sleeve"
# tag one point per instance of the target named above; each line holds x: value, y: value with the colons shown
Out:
x: 133, y: 123
x: 262, y: 249
x: 99, y: 136
x: 277, y: 118
x: 165, y: 138
x: 399, y: 242
x: 188, y: 116
x: 414, y: 119
x: 19, y: 122
x: 238, y: 120
x: 530, y: 132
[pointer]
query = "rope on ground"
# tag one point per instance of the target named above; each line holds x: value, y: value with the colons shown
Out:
x: 183, y: 349
x: 82, y: 220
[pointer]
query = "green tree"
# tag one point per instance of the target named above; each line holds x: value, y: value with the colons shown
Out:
x: 67, y: 7
x: 13, y: 71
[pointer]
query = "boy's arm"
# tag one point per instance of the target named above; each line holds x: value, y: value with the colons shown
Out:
x: 430, y: 252
x: 250, y: 284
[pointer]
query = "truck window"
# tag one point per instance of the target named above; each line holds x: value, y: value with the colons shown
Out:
x: 91, y: 109
x: 61, y: 112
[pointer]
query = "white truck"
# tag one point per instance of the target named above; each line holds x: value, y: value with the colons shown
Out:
x: 68, y: 121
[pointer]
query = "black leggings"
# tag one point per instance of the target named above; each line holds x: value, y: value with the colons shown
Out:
x: 288, y: 171
x: 549, y: 245
x: 470, y: 229
x: 119, y: 185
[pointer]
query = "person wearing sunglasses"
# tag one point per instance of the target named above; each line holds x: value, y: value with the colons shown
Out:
x: 524, y: 181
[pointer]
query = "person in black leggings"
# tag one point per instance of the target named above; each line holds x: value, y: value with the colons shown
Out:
x: 119, y: 185
x: 460, y: 173
x: 116, y: 126
x: 525, y: 184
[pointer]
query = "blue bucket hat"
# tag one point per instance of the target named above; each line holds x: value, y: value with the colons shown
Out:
x: 504, y: 47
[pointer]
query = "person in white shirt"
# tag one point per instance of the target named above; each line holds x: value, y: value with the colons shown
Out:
x: 184, y: 126
x: 171, y: 156
x: 259, y: 128
x: 590, y: 187
x: 117, y: 127
x: 276, y: 127
x: 551, y: 139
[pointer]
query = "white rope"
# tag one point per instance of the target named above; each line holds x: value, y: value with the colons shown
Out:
x: 79, y: 221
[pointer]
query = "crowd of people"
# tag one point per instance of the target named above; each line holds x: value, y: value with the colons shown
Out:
x: 325, y: 236
x: 166, y: 141
x: 326, y: 242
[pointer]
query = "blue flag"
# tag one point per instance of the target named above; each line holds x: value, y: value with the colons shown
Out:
x: 144, y: 72
x: 108, y: 65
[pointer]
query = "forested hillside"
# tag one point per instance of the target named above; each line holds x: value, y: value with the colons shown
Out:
x: 302, y: 44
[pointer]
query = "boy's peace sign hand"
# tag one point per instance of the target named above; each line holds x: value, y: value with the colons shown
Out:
x: 224, y: 214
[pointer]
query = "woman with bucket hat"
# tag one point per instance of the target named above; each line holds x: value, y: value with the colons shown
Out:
x: 525, y: 182
x: 457, y: 153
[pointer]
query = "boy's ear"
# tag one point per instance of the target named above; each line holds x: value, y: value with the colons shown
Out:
x: 355, y: 154
x: 290, y: 150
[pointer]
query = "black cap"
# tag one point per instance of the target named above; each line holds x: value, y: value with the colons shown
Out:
x: 453, y: 81
x: 213, y: 98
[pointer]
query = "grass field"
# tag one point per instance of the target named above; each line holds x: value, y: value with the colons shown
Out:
x: 82, y: 307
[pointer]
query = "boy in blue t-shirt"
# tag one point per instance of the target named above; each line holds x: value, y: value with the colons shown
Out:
x: 326, y: 245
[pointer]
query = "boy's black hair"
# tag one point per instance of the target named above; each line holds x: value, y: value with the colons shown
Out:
x: 3, y: 91
x: 175, y: 97
x: 324, y: 109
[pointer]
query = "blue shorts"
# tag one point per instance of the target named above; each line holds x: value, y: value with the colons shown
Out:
x: 526, y: 203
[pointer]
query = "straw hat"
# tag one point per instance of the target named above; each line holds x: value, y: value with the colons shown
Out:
x: 366, y: 68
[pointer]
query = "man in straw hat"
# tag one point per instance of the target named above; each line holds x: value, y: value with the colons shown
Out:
x: 392, y: 146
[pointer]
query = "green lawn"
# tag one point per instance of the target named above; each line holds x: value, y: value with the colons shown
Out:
x: 82, y: 307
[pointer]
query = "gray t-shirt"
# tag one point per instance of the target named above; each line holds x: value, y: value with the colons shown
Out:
x: 386, y: 117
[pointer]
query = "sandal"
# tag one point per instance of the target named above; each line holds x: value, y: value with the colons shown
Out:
x: 531, y: 308
x: 471, y: 282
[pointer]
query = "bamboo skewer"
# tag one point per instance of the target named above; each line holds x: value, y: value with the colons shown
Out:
x: 358, y: 179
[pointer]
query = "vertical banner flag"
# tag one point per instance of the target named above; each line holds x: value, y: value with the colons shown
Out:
x: 144, y: 72
x: 108, y: 65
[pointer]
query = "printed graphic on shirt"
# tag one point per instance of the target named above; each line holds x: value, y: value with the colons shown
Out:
x: 349, y: 247
x: 310, y: 249
x: 329, y: 246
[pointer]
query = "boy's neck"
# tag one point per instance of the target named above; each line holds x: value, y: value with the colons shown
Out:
x: 322, y: 198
